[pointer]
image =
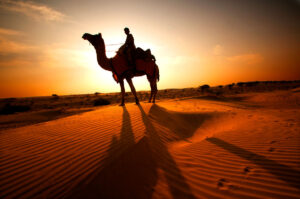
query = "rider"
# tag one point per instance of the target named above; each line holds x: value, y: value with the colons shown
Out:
x: 129, y: 47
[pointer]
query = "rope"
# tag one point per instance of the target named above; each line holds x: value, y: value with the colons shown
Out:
x: 114, y: 44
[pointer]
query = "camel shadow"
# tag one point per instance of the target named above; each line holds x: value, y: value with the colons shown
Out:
x: 283, y: 172
x: 177, y: 184
x: 130, y: 169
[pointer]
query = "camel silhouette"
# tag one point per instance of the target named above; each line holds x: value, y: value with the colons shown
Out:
x: 118, y: 65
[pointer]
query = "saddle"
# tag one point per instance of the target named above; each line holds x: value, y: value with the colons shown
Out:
x: 139, y: 53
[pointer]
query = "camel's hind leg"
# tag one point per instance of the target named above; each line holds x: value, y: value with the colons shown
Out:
x: 129, y: 80
x: 122, y: 92
x: 154, y: 90
x: 151, y: 85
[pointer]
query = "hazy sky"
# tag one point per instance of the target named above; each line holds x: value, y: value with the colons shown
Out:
x: 194, y: 41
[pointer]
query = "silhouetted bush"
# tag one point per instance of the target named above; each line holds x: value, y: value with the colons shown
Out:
x: 230, y: 86
x: 101, y: 101
x: 204, y: 87
x: 55, y: 96
x: 10, y: 109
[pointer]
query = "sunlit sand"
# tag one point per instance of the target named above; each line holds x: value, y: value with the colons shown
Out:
x: 243, y: 146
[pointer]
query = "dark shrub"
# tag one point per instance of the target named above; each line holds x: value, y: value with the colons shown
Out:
x: 204, y: 87
x: 101, y: 101
x: 55, y: 96
x: 10, y: 109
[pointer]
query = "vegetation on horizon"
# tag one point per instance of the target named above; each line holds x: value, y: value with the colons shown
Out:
x: 14, y: 105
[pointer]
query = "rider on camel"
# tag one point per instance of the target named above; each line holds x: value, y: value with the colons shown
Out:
x: 129, y: 47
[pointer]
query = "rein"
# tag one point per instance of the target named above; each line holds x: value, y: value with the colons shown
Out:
x: 114, y: 44
x: 117, y: 44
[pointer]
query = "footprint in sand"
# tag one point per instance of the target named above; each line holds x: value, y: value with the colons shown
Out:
x: 247, y: 170
x: 224, y: 184
x: 271, y: 149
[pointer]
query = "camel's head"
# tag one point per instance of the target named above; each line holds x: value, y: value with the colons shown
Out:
x: 93, y: 39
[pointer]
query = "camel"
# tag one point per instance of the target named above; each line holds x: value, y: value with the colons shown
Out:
x: 118, y: 65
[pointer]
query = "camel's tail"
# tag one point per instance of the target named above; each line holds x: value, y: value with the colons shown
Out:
x: 156, y: 72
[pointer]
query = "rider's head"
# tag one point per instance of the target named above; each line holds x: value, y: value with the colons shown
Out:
x: 126, y: 30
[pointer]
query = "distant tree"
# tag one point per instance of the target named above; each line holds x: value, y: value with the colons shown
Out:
x: 204, y: 87
x: 55, y: 96
x: 229, y: 86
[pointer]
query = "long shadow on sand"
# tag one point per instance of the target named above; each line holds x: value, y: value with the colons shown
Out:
x: 130, y: 169
x: 283, y: 172
x: 175, y: 180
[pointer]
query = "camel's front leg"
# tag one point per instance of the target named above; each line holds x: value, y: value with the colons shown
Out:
x: 155, y: 91
x: 151, y: 94
x: 133, y: 90
x: 122, y: 92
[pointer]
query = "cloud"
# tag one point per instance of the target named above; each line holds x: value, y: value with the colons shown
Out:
x: 33, y: 10
x: 246, y: 58
x: 218, y: 50
x: 9, y: 46
x: 4, y: 31
x: 15, y: 53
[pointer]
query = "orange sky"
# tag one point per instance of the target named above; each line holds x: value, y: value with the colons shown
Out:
x: 195, y: 42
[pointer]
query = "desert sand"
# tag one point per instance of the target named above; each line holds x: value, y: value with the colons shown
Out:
x: 244, y: 146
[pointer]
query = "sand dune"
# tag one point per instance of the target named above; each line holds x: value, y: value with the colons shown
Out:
x: 193, y: 148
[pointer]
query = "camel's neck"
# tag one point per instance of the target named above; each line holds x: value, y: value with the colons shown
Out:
x: 103, y: 61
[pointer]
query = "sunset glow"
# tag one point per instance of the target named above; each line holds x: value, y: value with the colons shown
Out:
x: 194, y: 42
